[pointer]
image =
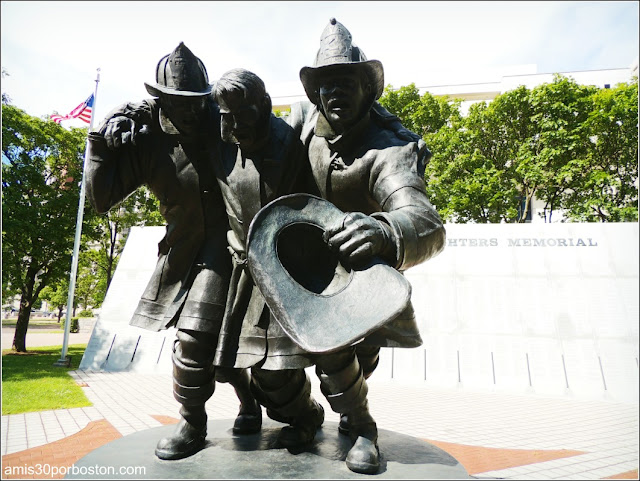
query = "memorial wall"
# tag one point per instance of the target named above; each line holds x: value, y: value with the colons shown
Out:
x: 547, y: 309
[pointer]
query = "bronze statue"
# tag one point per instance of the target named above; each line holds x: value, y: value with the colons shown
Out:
x: 367, y: 354
x: 261, y: 160
x: 171, y: 143
x: 331, y: 202
x: 375, y: 177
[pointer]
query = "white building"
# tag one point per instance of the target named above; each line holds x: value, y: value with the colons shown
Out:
x: 501, y: 81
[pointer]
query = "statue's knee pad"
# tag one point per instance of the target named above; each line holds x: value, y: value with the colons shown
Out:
x: 192, y: 374
x: 194, y: 348
x: 193, y: 395
x: 338, y: 372
x: 342, y: 401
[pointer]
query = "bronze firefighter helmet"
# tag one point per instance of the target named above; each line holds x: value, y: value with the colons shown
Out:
x: 337, y: 51
x: 322, y: 304
x: 180, y: 73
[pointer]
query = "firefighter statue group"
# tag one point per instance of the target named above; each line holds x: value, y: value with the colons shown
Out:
x: 285, y: 239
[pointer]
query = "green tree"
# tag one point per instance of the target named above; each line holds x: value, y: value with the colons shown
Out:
x: 438, y: 121
x: 57, y: 294
x: 469, y: 172
x: 41, y: 168
x: 552, y: 162
x: 524, y: 143
x: 111, y: 229
x: 90, y: 286
x: 608, y: 187
x: 403, y: 103
x: 424, y: 114
x: 572, y: 146
x: 509, y: 129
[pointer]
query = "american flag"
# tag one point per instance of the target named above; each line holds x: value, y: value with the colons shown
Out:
x: 82, y: 112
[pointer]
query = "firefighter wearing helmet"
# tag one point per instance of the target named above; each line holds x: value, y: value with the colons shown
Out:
x: 170, y: 144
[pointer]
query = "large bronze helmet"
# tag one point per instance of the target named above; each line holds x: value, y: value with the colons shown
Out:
x: 337, y: 51
x: 320, y: 302
x: 180, y: 73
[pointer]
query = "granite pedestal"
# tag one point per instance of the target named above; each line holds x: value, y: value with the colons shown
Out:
x: 258, y: 456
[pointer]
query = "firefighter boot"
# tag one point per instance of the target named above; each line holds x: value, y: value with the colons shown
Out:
x: 342, y: 382
x: 368, y: 357
x: 287, y: 396
x: 193, y: 385
x: 249, y: 419
x: 188, y: 437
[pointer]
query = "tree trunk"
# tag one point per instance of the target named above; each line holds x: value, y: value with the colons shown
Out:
x: 113, y: 236
x: 523, y: 215
x: 110, y: 267
x: 22, y: 324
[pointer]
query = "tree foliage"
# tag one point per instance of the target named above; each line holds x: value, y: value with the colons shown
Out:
x: 41, y: 172
x: 424, y: 114
x: 57, y: 294
x: 90, y: 287
x: 104, y: 238
x: 111, y: 230
x: 572, y: 146
x: 609, y: 176
x: 560, y: 141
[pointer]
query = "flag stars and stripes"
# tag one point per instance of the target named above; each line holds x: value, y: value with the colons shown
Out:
x: 82, y: 112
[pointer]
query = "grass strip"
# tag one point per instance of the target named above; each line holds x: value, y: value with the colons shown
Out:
x: 30, y: 381
x: 32, y: 322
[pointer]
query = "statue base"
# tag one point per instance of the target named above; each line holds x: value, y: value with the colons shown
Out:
x: 258, y: 456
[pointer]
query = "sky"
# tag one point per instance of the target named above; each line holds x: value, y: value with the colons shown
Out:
x: 51, y: 50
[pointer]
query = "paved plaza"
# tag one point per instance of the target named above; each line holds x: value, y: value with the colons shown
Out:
x: 493, y: 435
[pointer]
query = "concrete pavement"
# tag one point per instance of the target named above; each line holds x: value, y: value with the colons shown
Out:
x: 494, y: 435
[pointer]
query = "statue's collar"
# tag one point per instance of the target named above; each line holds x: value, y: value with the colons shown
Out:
x: 347, y: 139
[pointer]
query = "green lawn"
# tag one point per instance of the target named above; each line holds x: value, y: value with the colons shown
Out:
x: 30, y: 382
x: 32, y: 322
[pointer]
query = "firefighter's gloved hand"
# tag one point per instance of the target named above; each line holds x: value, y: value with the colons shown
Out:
x: 359, y: 237
x: 120, y: 131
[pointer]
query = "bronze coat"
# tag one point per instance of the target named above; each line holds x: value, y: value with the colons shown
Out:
x: 250, y: 334
x: 370, y: 170
x: 179, y: 171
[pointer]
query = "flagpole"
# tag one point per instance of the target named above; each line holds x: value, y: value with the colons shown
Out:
x: 64, y: 359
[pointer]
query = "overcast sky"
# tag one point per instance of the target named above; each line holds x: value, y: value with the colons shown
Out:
x: 51, y: 49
